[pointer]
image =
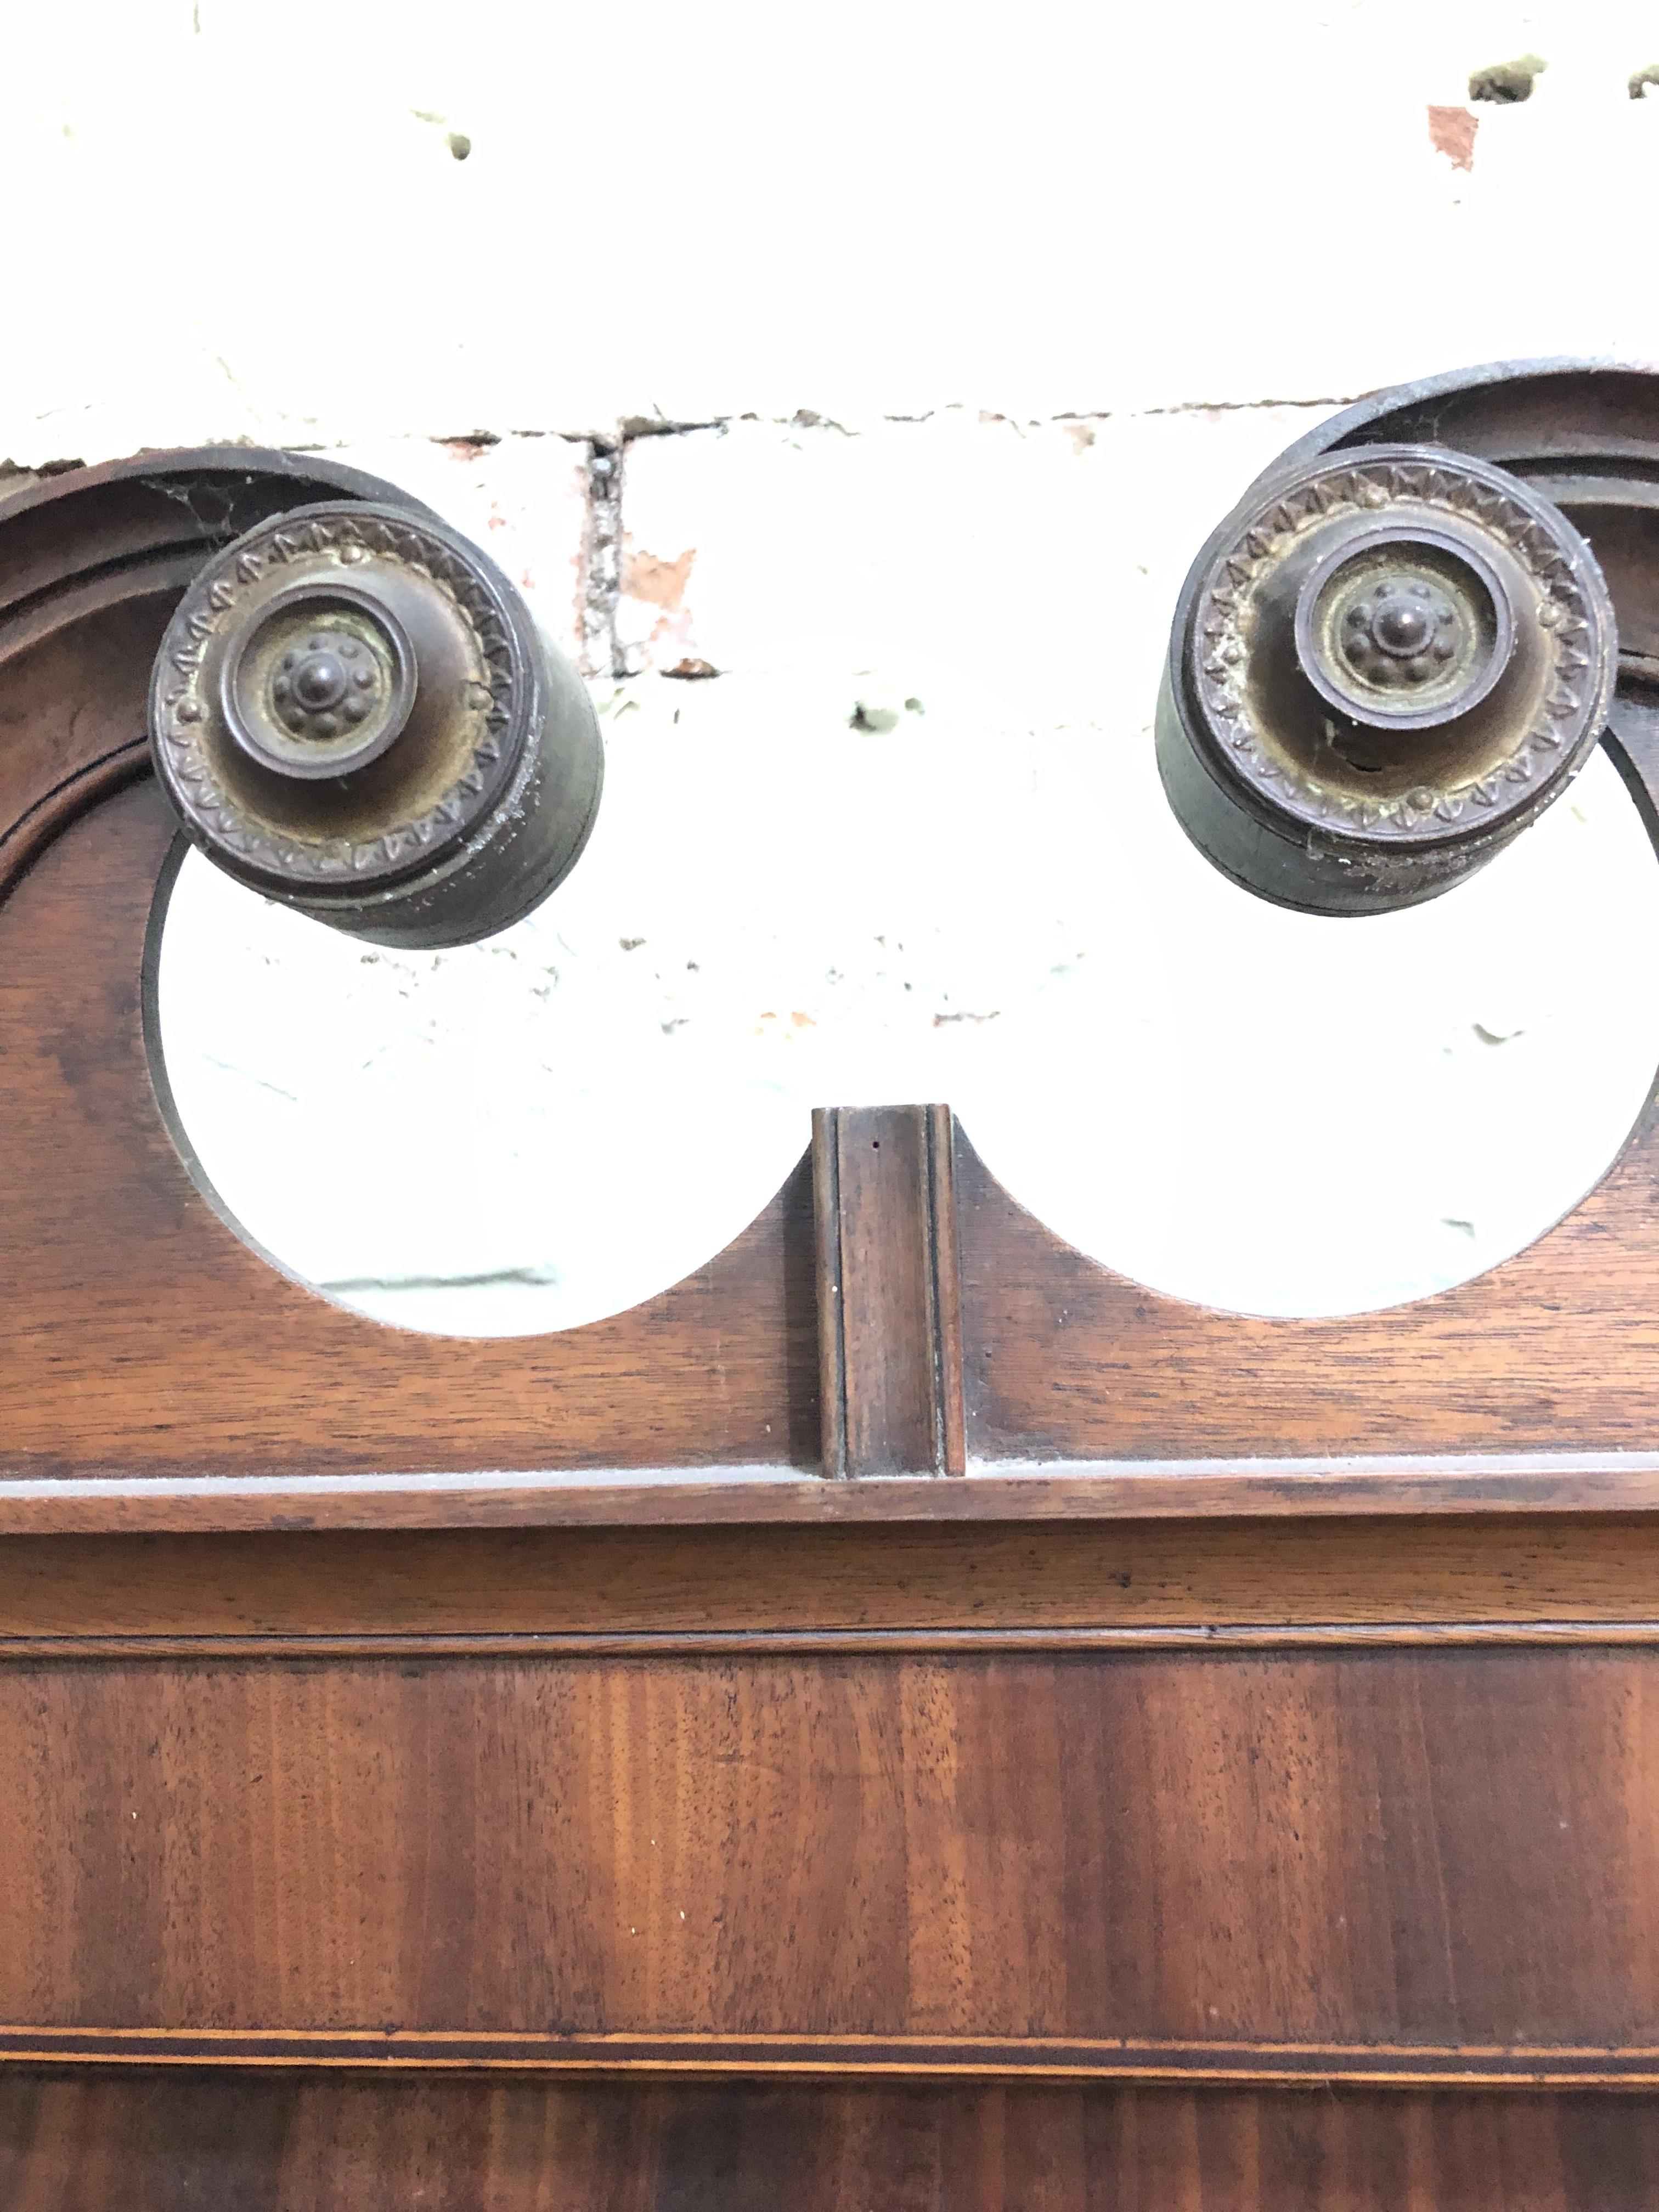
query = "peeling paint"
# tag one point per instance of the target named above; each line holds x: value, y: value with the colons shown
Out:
x: 1451, y: 132
x: 659, y: 583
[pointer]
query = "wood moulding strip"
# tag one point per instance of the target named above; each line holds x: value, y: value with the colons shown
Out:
x: 118, y: 1645
x: 889, y: 1291
x: 1526, y: 1482
x: 1039, y: 2058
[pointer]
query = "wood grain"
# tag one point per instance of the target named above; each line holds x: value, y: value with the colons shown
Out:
x: 1570, y: 1484
x: 153, y: 2143
x: 141, y: 1333
x: 71, y: 731
x: 1339, y: 1850
x: 660, y: 2055
x: 1007, y: 1579
x: 1559, y: 1346
x: 889, y: 1319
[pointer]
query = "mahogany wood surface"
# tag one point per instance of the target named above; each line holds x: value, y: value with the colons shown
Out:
x: 1558, y: 1346
x: 1370, y: 1862
x: 1070, y: 1577
x: 289, y: 2143
x: 142, y: 1334
x: 548, y: 1788
x: 67, y: 736
x: 889, y: 1292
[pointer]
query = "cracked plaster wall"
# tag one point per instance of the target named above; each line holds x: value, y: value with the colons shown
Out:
x: 890, y: 369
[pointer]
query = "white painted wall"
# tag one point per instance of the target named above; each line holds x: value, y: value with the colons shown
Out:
x: 233, y: 218
x: 988, y: 318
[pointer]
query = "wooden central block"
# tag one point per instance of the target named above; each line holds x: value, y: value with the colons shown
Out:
x: 889, y: 1325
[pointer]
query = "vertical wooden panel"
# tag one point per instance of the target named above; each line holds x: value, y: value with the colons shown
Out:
x: 1372, y: 1851
x: 889, y: 1300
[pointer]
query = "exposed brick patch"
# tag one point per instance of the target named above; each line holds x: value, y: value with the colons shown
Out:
x: 1451, y: 132
x: 659, y: 583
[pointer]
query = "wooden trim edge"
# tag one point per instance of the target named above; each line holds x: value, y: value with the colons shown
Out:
x: 832, y: 1336
x: 944, y: 1280
x: 1375, y: 2065
x: 1471, y: 1483
x: 117, y: 1645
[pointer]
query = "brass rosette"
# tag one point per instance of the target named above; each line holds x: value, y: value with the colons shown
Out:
x: 353, y: 713
x: 1387, y: 663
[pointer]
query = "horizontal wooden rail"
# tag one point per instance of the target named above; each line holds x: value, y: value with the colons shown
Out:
x: 1520, y: 1482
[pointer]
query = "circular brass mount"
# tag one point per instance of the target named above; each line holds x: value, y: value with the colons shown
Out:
x: 321, y: 683
x: 353, y: 713
x: 1387, y: 663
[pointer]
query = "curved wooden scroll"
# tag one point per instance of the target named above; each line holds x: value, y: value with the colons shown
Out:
x: 92, y: 562
x: 141, y: 1335
x: 1555, y: 1351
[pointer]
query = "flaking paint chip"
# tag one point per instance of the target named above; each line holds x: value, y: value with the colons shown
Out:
x: 1451, y: 132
